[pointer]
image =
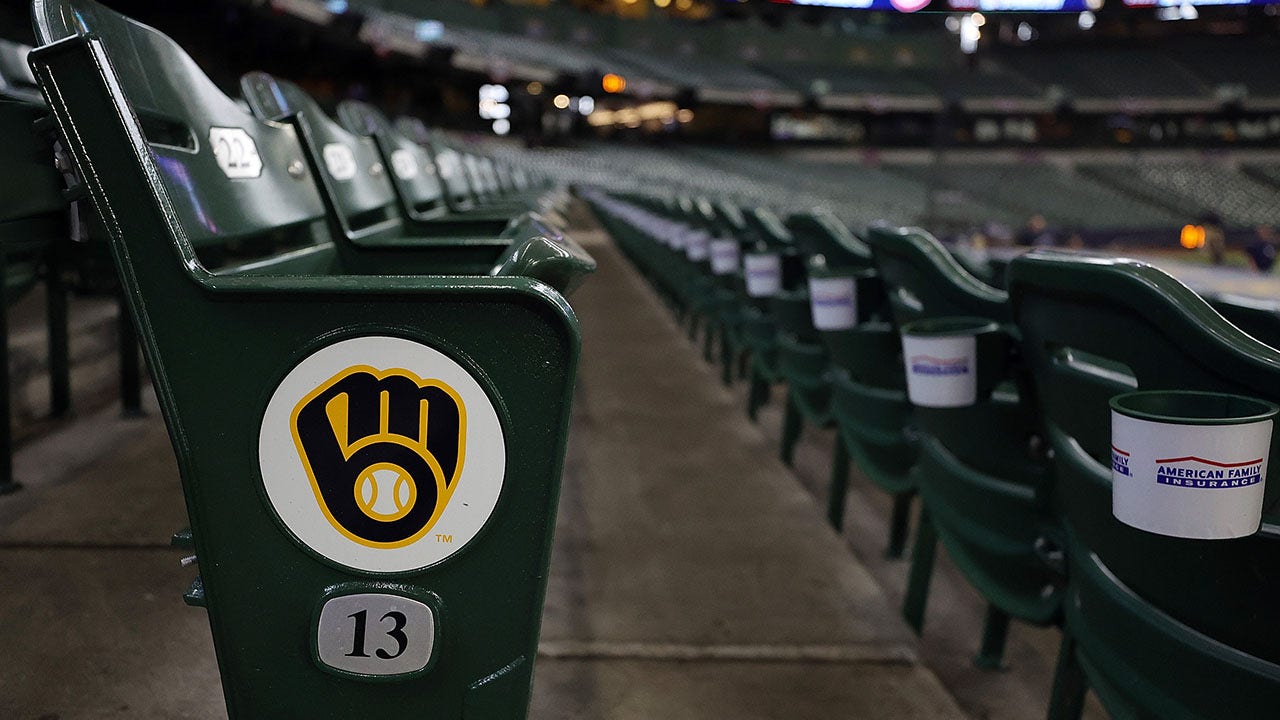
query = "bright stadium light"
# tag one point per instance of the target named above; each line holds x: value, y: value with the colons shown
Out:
x: 586, y: 105
x: 493, y: 102
x: 1025, y: 32
x: 428, y: 30
x: 501, y: 126
x: 970, y: 33
x: 1087, y: 20
x: 561, y: 101
x: 613, y: 83
x: 496, y: 93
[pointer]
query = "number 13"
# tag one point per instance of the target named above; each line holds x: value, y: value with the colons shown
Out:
x: 396, y: 633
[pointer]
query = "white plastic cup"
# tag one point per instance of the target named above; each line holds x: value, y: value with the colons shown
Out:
x: 941, y: 358
x: 833, y: 302
x: 695, y: 248
x: 724, y: 256
x: 763, y: 274
x: 1190, y: 464
x: 678, y: 238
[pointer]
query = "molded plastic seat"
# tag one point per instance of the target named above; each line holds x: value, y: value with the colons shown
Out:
x: 803, y: 362
x: 818, y: 232
x: 33, y: 222
x: 1160, y: 627
x: 219, y: 342
x: 870, y: 409
x: 982, y: 491
x: 1259, y: 318
x: 362, y: 207
x: 414, y: 176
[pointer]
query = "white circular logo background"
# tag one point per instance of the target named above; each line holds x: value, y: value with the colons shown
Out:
x: 289, y: 487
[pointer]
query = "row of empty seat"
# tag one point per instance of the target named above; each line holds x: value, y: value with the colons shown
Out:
x: 1016, y: 484
x: 1105, y: 199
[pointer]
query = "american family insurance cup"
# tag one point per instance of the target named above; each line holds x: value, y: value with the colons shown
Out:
x: 833, y: 297
x: 941, y: 357
x: 1190, y: 464
x: 725, y: 258
x: 762, y: 273
x: 696, y: 246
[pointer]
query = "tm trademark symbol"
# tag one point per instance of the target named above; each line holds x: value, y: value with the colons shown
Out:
x: 444, y: 538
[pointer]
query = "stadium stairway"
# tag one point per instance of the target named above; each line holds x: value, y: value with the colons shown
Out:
x: 692, y: 577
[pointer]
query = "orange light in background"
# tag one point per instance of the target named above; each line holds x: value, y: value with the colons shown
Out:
x: 613, y: 83
x: 662, y: 3
x: 1192, y: 237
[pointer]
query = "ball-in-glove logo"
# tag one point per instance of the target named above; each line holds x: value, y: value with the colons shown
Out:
x: 383, y: 451
x: 382, y: 454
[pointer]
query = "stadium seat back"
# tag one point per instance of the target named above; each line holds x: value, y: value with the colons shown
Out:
x: 228, y: 174
x: 33, y: 213
x: 16, y: 80
x: 480, y: 185
x: 792, y: 314
x: 351, y: 170
x: 1093, y: 328
x: 1259, y: 318
x: 413, y: 173
x: 924, y: 280
x: 448, y: 163
x: 984, y: 489
x: 818, y: 232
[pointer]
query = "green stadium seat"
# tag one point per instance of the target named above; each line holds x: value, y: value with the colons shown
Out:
x: 1259, y: 318
x: 1159, y: 627
x: 360, y: 199
x: 218, y: 341
x: 818, y: 232
x: 414, y: 175
x: 33, y: 224
x: 982, y: 485
x: 871, y: 412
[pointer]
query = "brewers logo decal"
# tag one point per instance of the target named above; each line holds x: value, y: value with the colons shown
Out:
x: 381, y: 454
x: 383, y: 451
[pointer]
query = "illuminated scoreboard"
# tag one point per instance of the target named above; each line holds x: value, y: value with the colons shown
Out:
x: 1025, y: 5
x: 899, y: 5
x: 1200, y: 3
x: 908, y: 6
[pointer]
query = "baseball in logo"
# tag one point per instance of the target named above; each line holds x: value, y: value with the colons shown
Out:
x: 382, y: 454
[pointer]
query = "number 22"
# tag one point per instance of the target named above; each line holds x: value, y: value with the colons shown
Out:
x: 397, y: 633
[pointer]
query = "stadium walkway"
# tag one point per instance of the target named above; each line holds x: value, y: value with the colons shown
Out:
x: 693, y: 576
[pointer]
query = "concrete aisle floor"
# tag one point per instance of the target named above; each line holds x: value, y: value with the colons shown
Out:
x: 692, y: 575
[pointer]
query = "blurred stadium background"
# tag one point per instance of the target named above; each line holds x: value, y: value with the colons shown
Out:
x: 1108, y: 124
